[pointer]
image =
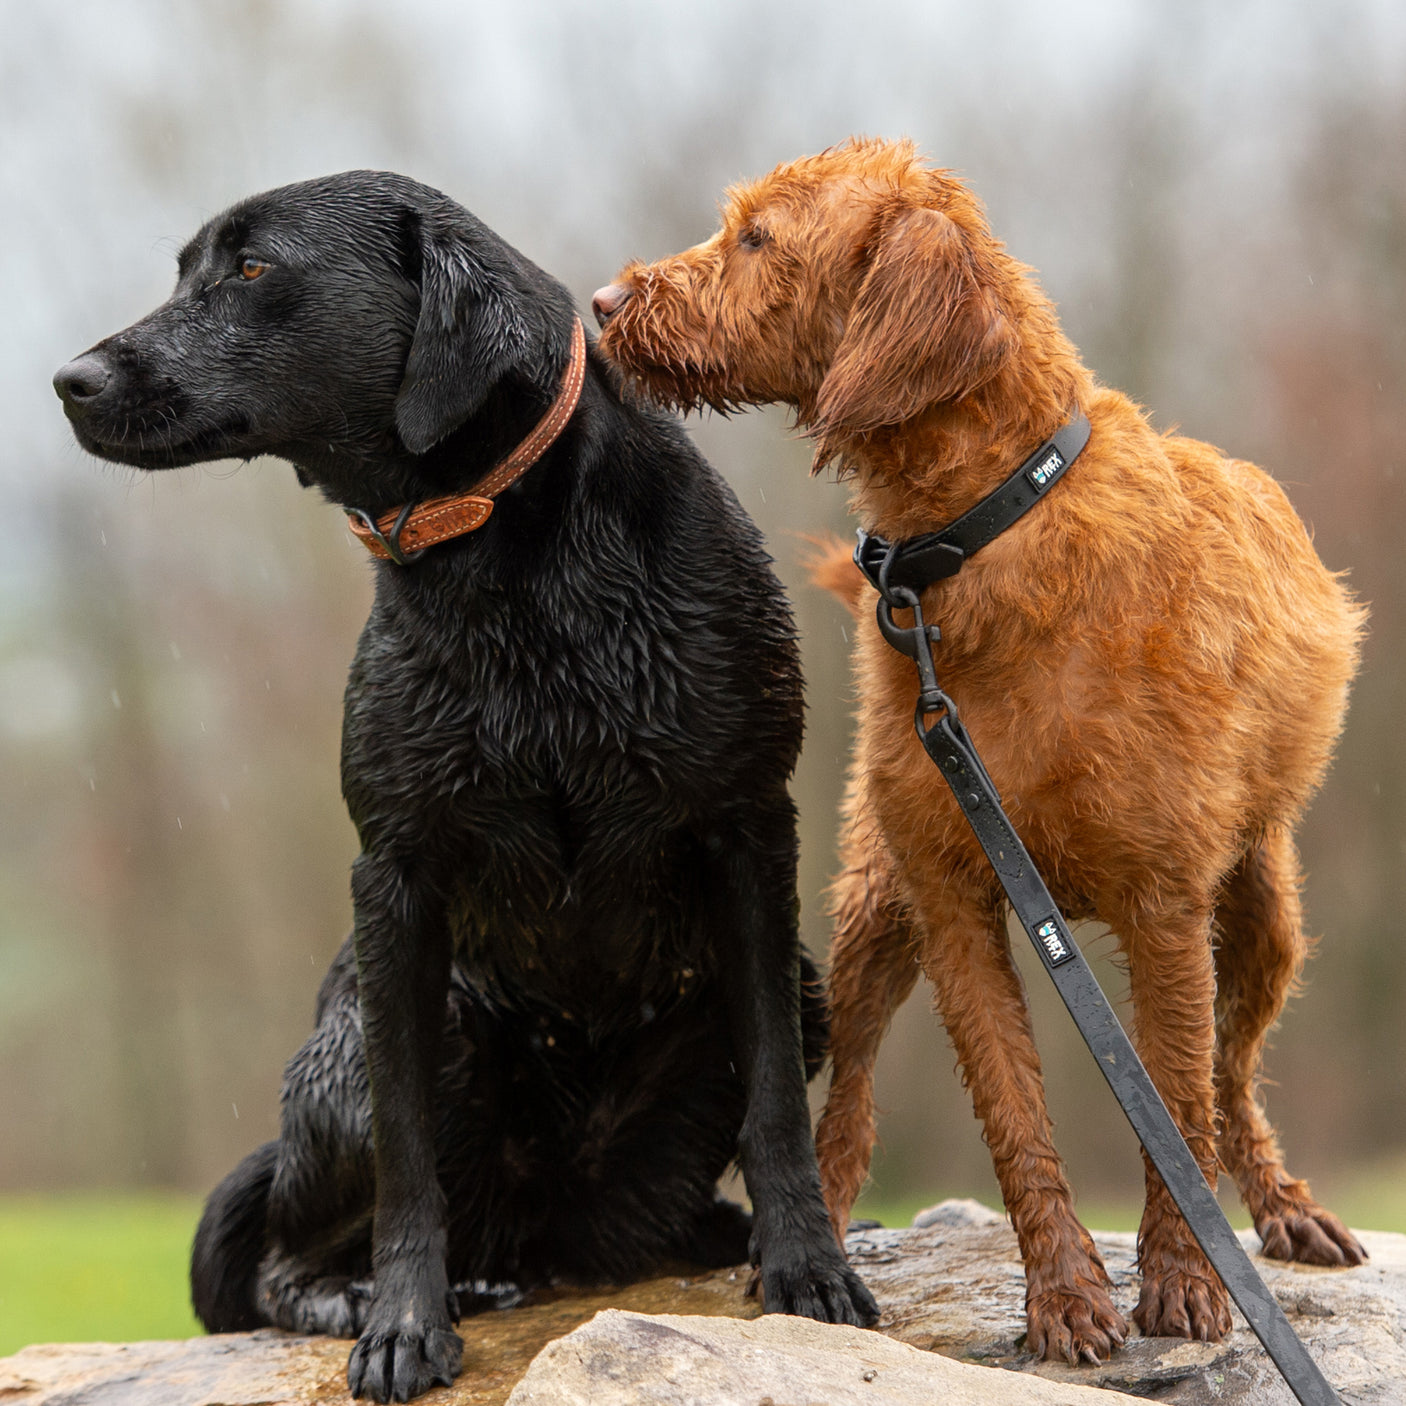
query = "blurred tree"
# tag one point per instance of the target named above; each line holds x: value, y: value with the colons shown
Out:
x: 1331, y: 398
x: 173, y: 870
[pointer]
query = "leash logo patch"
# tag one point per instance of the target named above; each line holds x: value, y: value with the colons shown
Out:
x: 1057, y: 950
x: 1047, y: 468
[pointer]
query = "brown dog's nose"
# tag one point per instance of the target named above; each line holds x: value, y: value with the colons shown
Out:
x: 608, y: 301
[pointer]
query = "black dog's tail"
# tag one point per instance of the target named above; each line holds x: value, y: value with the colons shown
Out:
x: 229, y: 1243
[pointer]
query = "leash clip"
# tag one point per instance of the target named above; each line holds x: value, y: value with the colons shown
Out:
x: 875, y: 556
x: 916, y: 642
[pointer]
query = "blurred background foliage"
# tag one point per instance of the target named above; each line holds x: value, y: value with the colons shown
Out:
x: 1215, y: 195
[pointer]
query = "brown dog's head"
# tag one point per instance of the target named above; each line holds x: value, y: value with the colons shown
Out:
x: 859, y: 286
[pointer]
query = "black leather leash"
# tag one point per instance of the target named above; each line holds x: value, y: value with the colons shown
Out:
x: 899, y: 571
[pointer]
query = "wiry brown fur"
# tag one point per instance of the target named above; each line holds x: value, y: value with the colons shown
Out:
x: 1153, y: 663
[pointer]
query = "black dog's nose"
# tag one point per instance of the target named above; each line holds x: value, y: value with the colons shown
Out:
x: 608, y: 301
x: 82, y: 380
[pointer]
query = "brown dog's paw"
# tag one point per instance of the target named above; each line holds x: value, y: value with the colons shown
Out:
x: 1310, y: 1235
x: 1179, y: 1303
x: 1075, y: 1325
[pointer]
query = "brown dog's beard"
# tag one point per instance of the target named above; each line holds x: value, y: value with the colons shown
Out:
x: 687, y: 368
x: 666, y: 345
x: 681, y: 385
x: 682, y: 388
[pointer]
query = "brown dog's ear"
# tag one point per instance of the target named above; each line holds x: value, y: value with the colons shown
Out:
x: 923, y: 329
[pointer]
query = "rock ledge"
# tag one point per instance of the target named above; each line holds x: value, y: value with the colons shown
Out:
x: 950, y: 1285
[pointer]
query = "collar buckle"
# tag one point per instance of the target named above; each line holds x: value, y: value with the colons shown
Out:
x: 389, y: 541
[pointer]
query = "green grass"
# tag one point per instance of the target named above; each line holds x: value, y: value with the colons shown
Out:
x: 84, y: 1268
x: 1372, y: 1198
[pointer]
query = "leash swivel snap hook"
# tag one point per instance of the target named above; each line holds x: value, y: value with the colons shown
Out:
x: 916, y: 642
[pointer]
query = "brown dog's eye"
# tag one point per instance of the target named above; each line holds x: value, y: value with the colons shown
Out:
x: 250, y: 269
x: 753, y: 238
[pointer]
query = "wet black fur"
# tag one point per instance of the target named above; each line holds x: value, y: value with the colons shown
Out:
x: 575, y: 977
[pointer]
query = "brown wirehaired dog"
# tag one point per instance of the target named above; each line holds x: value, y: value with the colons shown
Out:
x: 1153, y: 663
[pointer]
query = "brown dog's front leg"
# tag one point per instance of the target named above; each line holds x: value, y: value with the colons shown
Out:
x: 803, y: 1270
x: 1172, y: 971
x: 1069, y: 1311
x: 402, y: 955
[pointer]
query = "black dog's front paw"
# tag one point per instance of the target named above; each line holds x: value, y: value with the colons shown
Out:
x: 399, y: 1365
x: 820, y: 1286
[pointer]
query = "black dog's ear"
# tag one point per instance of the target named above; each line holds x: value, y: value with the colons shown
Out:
x: 469, y: 334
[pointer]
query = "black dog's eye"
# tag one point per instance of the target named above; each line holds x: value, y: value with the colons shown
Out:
x: 753, y: 238
x: 251, y: 268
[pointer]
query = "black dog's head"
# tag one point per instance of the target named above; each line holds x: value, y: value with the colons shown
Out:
x: 350, y: 324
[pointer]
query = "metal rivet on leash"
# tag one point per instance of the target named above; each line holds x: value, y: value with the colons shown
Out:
x: 899, y: 571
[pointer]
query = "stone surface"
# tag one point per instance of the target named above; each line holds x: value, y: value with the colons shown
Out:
x: 630, y: 1359
x: 951, y: 1285
x: 954, y: 1284
x: 270, y: 1368
x: 238, y: 1369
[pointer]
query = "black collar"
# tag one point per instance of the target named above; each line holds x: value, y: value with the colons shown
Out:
x: 917, y: 562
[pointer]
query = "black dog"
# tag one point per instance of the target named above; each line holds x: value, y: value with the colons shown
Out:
x: 573, y: 992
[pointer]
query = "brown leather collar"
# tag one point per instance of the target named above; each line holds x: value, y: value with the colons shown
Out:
x: 403, y: 533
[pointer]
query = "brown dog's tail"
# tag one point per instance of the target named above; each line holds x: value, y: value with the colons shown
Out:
x: 829, y: 562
